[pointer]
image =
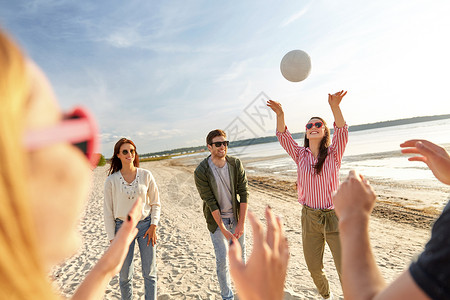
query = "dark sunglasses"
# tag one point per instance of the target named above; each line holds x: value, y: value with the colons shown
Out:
x: 218, y: 144
x: 125, y: 151
x: 317, y: 125
x: 77, y: 127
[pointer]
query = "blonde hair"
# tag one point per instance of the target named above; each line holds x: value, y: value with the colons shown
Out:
x: 22, y: 273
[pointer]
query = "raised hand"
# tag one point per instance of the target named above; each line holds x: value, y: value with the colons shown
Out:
x: 117, y: 251
x: 355, y: 199
x: 336, y: 98
x: 436, y: 157
x: 276, y: 107
x: 278, y: 110
x: 264, y: 275
x: 93, y: 286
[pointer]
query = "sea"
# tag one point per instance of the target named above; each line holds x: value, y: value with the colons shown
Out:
x: 374, y: 153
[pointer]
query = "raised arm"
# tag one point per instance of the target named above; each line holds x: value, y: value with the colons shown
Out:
x: 278, y: 110
x: 362, y: 279
x: 334, y: 100
x: 262, y: 278
x: 353, y: 203
x: 94, y: 285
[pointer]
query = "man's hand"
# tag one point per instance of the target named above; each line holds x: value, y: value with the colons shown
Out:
x: 239, y: 231
x: 151, y: 235
x: 355, y: 199
x: 227, y: 234
x: 436, y: 157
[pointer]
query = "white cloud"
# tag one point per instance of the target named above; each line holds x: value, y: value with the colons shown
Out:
x: 295, y: 16
x: 233, y: 72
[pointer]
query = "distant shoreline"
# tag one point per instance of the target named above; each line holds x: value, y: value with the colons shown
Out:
x: 298, y: 135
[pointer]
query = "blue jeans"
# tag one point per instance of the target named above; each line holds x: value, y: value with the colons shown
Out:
x: 221, y: 250
x: 148, y: 259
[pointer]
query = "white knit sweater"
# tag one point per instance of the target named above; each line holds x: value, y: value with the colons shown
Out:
x: 121, y: 195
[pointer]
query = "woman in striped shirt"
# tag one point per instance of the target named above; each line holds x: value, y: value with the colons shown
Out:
x: 318, y: 163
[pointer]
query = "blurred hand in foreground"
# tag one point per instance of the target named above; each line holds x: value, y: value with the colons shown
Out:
x: 118, y: 250
x: 93, y: 287
x: 355, y: 198
x: 264, y: 275
x: 436, y: 157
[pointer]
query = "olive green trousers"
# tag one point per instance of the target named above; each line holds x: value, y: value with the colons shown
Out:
x: 320, y: 226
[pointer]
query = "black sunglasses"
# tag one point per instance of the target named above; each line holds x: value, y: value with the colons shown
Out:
x: 218, y: 144
x: 317, y: 124
x: 125, y: 151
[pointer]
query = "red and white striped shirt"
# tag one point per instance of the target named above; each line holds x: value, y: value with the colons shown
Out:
x: 315, y: 190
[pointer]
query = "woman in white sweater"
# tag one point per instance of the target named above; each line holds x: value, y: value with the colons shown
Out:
x: 126, y: 183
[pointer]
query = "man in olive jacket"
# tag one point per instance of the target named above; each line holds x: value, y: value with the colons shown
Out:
x: 220, y: 179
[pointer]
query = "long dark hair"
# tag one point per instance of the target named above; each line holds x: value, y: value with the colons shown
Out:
x: 116, y: 164
x: 323, y: 148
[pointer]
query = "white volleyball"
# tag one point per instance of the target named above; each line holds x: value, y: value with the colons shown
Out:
x: 296, y: 65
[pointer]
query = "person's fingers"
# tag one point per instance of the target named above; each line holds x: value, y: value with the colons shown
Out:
x: 127, y: 230
x: 272, y: 229
x: 136, y: 210
x: 429, y: 150
x: 410, y: 143
x: 416, y: 146
x: 353, y: 175
x: 257, y: 228
x: 283, y: 247
x: 418, y: 158
x: 345, y: 93
x: 237, y: 266
x: 413, y: 150
x: 147, y: 235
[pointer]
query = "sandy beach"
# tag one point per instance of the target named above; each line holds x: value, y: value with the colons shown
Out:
x: 186, y: 263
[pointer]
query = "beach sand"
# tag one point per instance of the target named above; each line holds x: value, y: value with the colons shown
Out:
x: 185, y: 257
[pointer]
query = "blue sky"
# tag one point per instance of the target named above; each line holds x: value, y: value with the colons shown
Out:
x: 165, y: 73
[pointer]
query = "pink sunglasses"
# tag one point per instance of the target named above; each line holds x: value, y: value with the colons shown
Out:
x: 77, y: 127
x: 316, y: 124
